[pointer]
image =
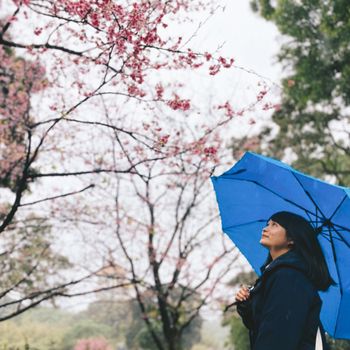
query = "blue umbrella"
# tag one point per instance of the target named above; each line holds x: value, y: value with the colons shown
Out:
x: 258, y: 186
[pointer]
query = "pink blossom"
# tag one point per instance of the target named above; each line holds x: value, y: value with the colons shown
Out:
x: 228, y: 109
x: 225, y: 63
x: 163, y: 140
x: 92, y: 344
x: 208, y: 56
x: 38, y: 31
x: 214, y: 69
x: 261, y: 94
x: 159, y: 91
x: 94, y: 18
x: 270, y: 105
x: 133, y: 90
x: 178, y: 103
x: 208, y: 151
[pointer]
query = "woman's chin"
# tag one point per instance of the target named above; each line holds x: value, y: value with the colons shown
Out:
x: 263, y: 243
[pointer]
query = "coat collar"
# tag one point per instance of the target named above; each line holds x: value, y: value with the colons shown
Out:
x: 291, y: 259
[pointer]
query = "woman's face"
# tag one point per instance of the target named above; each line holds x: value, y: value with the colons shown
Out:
x: 274, y: 237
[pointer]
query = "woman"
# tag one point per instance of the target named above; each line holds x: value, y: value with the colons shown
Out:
x: 282, y: 310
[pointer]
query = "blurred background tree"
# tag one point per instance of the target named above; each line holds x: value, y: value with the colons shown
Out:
x: 313, y: 119
x: 138, y: 336
x: 123, y: 319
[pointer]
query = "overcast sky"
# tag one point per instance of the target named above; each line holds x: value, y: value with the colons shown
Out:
x: 254, y: 43
x: 251, y: 40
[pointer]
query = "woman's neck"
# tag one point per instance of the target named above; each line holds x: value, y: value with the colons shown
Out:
x: 276, y: 253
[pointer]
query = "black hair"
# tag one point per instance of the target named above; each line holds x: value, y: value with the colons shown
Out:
x: 306, y: 244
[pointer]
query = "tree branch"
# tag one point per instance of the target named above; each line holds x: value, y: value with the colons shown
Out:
x: 59, y: 196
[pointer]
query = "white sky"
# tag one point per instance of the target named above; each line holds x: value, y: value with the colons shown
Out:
x: 254, y: 43
x: 252, y: 40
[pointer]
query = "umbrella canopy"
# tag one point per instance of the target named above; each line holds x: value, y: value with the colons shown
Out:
x: 258, y: 186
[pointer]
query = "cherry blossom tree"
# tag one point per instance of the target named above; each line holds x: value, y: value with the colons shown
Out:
x: 156, y: 233
x: 94, y: 50
x: 100, y: 135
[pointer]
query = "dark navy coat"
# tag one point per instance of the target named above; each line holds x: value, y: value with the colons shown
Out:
x: 283, y: 311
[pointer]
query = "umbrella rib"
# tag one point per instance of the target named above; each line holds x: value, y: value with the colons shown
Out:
x: 318, y: 208
x: 317, y: 217
x: 278, y: 195
x: 338, y: 207
x: 310, y: 219
x: 338, y: 274
x: 341, y: 237
x: 341, y: 227
x: 310, y: 197
x: 326, y: 236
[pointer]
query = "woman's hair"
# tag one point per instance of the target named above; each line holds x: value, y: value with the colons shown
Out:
x: 306, y: 244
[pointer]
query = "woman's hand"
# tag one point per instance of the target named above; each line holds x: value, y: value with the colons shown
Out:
x: 243, y: 294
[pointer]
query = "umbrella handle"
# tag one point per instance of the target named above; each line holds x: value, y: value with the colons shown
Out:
x: 230, y: 305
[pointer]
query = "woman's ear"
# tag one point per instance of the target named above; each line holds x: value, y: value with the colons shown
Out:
x: 290, y: 243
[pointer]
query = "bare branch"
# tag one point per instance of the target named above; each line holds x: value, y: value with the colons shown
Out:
x: 59, y: 196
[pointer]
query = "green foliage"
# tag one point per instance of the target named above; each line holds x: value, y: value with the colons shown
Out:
x: 28, y: 259
x: 113, y: 313
x: 338, y: 344
x: 38, y: 329
x: 46, y: 315
x: 143, y: 338
x: 125, y: 321
x: 138, y: 334
x: 213, y: 335
x: 49, y: 329
x: 247, y: 278
x: 316, y: 90
x: 83, y: 329
x: 119, y: 322
x: 239, y: 334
